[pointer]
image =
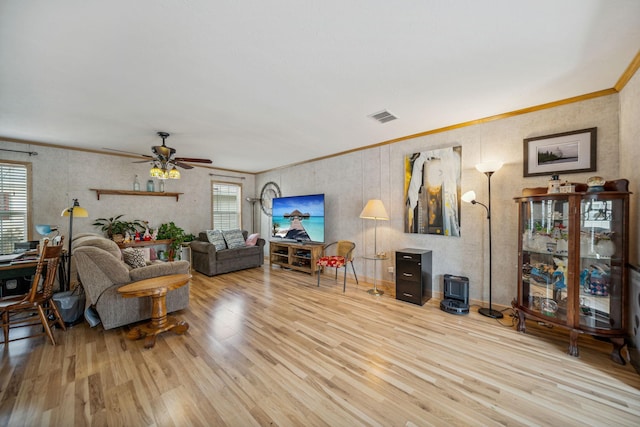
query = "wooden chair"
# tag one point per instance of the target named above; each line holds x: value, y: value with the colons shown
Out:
x: 340, y: 253
x: 20, y: 311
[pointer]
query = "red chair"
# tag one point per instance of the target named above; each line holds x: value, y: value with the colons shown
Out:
x: 337, y: 255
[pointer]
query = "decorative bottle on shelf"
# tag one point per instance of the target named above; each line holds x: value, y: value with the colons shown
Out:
x: 161, y: 186
x: 136, y: 184
x: 150, y: 186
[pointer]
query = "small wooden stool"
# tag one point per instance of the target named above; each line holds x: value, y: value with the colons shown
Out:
x: 157, y: 289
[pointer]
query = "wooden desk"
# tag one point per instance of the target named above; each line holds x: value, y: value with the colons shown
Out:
x: 16, y: 271
x: 157, y: 289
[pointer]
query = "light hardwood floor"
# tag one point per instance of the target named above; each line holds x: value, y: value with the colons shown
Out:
x: 267, y: 347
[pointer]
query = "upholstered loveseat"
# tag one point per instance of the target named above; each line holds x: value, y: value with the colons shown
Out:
x: 102, y: 271
x: 221, y: 257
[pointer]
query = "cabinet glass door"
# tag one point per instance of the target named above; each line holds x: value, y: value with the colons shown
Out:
x: 601, y: 269
x: 545, y: 250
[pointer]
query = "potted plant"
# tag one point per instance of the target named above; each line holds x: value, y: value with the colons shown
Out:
x: 115, y: 228
x: 173, y: 232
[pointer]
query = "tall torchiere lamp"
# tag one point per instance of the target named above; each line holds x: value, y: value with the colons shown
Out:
x: 488, y: 168
x: 374, y: 209
x: 253, y: 201
x: 74, y: 211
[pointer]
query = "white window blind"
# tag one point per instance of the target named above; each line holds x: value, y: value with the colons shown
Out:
x: 13, y: 205
x: 226, y: 206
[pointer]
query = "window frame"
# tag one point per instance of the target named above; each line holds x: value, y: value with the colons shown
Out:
x: 239, y: 201
x: 29, y: 194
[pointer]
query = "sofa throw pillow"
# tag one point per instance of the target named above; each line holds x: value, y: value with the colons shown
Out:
x: 252, y: 239
x: 215, y: 238
x: 234, y: 239
x: 134, y: 257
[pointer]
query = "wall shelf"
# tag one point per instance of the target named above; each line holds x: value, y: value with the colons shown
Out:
x: 142, y: 243
x: 100, y: 191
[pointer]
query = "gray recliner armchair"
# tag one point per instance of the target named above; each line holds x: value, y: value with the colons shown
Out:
x: 102, y: 271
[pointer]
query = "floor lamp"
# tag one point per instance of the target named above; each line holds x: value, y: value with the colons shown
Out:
x: 470, y: 197
x: 253, y: 201
x: 374, y: 209
x: 74, y: 211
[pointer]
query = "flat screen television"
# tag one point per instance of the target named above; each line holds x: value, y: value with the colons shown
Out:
x: 298, y: 218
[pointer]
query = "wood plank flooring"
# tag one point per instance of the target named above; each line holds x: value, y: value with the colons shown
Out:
x: 266, y: 347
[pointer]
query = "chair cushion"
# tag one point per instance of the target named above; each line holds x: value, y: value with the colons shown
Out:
x: 216, y: 238
x: 134, y: 257
x: 331, y: 261
x: 234, y: 238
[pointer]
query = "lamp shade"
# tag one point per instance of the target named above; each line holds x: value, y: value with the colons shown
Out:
x: 469, y: 196
x: 44, y: 229
x: 374, y: 209
x: 78, y: 211
x: 488, y: 166
x: 174, y: 173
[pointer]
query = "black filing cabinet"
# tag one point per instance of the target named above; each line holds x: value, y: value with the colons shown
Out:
x: 413, y: 275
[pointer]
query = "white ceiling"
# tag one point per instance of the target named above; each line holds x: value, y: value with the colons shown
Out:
x: 256, y: 84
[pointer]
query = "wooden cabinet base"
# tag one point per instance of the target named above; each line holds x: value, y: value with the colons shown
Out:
x: 618, y: 342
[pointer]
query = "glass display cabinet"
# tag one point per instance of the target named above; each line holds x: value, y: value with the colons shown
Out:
x: 572, y: 261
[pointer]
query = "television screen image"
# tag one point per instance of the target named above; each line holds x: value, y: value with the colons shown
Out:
x: 298, y: 218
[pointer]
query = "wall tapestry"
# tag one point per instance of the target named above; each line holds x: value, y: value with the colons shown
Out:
x: 432, y: 192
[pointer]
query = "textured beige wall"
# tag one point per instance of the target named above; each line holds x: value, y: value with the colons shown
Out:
x: 61, y: 175
x: 630, y: 153
x: 349, y: 181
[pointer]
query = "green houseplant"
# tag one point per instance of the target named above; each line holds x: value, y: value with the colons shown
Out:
x: 175, y: 233
x: 115, y: 228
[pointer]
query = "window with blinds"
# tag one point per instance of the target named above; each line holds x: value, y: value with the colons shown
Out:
x: 14, y: 203
x: 226, y: 206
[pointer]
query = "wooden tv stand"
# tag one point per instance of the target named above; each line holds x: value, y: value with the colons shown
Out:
x: 296, y: 256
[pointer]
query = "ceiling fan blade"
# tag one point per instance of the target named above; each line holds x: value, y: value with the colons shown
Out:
x: 144, y: 161
x: 182, y: 165
x: 192, y: 160
x: 128, y: 152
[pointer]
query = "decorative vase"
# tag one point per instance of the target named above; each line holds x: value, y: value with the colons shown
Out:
x: 150, y: 186
x: 563, y: 247
x: 595, y: 184
x: 605, y: 248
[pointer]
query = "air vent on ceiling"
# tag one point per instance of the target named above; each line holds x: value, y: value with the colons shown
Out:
x: 383, y: 116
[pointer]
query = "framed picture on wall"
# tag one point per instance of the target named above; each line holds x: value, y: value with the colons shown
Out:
x: 432, y: 191
x: 565, y: 152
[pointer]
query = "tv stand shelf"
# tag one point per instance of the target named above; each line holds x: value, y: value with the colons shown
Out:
x: 296, y: 256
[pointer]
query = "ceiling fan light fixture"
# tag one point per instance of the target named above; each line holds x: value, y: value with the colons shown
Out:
x: 174, y: 173
x: 155, y: 171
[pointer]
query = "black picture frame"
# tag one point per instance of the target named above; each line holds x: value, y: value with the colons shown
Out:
x: 566, y: 152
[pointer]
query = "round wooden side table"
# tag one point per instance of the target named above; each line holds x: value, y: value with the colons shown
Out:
x: 157, y: 289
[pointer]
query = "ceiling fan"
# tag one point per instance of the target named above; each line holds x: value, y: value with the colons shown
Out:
x: 164, y: 160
